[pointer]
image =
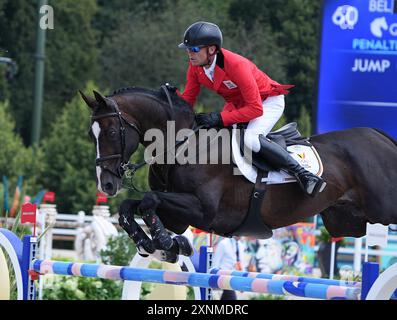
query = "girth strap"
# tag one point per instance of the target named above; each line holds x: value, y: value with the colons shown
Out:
x: 253, y: 224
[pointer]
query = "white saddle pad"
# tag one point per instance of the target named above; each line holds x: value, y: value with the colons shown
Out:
x: 307, y: 157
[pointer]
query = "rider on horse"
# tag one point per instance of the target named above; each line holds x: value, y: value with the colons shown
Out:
x: 251, y: 97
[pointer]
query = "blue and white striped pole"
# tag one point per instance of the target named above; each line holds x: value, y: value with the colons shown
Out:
x: 204, y: 280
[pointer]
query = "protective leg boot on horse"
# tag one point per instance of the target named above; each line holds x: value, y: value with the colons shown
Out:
x: 143, y: 243
x: 162, y: 246
x: 160, y: 237
x: 180, y: 246
x: 172, y: 247
x: 279, y: 158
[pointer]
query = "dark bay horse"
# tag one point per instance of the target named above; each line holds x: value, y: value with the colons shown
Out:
x: 360, y: 167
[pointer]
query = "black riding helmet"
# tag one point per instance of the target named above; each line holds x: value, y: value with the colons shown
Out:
x: 202, y: 34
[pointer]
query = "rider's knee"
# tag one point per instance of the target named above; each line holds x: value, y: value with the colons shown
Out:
x: 251, y: 140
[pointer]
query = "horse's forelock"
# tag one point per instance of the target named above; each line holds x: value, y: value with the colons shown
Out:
x: 95, y: 109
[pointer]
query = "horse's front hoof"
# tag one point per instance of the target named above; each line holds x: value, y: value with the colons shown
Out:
x: 162, y: 240
x: 145, y: 244
x: 169, y: 256
x: 142, y: 253
x: 183, y: 245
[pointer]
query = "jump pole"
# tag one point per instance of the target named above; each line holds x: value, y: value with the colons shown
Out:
x: 204, y: 280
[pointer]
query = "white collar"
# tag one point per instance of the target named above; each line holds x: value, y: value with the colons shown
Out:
x: 210, y: 71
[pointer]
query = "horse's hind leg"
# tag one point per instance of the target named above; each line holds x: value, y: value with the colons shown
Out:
x: 344, y: 219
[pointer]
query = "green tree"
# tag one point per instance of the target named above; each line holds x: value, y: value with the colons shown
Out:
x: 146, y: 54
x: 299, y: 35
x: 71, y: 56
x: 4, y: 90
x: 17, y: 35
x: 15, y: 159
x: 111, y: 13
x: 69, y: 158
x: 304, y: 122
x: 258, y: 45
x: 2, y: 3
x: 295, y: 24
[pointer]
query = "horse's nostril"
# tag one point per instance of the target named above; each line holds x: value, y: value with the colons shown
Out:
x: 108, y: 186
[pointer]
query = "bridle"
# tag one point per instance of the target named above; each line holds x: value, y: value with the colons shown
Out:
x: 124, y: 164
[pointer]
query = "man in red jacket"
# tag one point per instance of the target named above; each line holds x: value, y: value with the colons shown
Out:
x: 251, y: 97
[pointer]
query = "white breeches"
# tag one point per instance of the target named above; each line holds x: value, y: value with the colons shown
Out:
x: 273, y: 108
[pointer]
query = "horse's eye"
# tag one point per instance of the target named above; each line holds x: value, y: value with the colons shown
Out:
x: 112, y: 133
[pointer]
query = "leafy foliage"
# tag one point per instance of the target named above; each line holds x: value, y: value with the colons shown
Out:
x: 15, y: 159
x: 81, y: 288
x: 122, y: 57
x: 156, y: 43
x: 304, y: 122
x: 71, y: 55
x: 325, y: 237
x: 69, y: 158
x: 295, y: 24
x: 17, y: 35
x: 119, y: 250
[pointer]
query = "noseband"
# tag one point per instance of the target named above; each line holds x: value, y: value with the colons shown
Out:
x: 122, y: 120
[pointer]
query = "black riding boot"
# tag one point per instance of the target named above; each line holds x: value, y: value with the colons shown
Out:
x: 279, y: 158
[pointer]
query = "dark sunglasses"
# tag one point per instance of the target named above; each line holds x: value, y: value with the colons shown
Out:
x: 195, y: 49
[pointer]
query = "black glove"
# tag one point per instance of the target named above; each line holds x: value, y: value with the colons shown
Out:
x: 209, y: 120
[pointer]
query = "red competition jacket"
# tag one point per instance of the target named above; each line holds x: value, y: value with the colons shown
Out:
x: 239, y: 82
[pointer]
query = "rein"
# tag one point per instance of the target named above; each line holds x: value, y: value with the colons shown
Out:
x: 131, y: 168
x: 126, y: 167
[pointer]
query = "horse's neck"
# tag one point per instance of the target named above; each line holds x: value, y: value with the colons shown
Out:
x: 152, y: 113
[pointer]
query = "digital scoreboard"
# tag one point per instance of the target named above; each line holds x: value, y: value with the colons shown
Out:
x: 358, y: 66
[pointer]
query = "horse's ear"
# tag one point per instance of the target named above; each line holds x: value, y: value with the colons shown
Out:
x: 91, y: 102
x: 99, y: 98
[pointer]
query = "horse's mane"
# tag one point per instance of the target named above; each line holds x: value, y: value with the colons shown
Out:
x: 177, y: 101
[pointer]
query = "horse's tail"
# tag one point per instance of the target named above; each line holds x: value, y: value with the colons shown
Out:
x: 386, y: 135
